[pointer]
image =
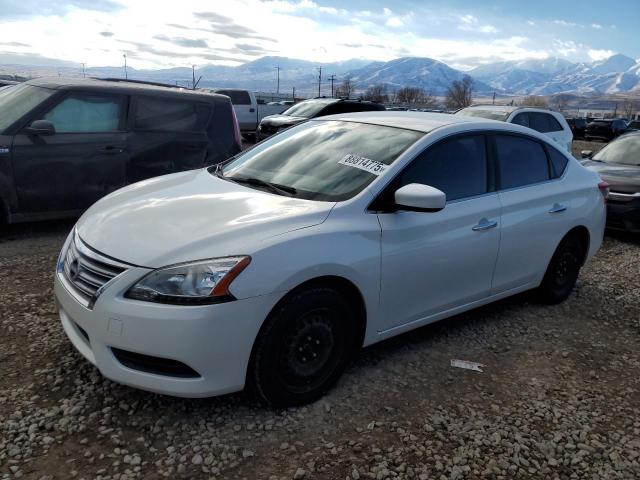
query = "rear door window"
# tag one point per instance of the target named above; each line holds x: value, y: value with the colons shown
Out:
x: 522, y: 161
x: 458, y: 167
x: 544, y: 122
x: 87, y: 113
x: 169, y: 115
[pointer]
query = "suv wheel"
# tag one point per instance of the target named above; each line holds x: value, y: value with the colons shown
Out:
x: 303, y: 349
x: 562, y: 272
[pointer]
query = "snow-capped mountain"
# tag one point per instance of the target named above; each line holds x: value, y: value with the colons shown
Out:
x: 615, y: 74
x: 425, y: 73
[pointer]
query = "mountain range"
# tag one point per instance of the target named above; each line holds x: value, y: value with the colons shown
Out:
x: 616, y: 74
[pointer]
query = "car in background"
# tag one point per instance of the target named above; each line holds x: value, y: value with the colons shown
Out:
x: 578, y: 126
x: 548, y: 122
x: 314, y: 108
x: 65, y: 143
x: 249, y: 111
x: 605, y: 129
x: 634, y: 125
x: 272, y: 269
x: 618, y: 163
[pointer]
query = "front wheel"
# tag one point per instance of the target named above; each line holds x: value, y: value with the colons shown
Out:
x: 562, y: 272
x: 303, y: 348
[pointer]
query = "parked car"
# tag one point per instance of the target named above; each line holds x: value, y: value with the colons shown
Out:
x: 618, y: 163
x: 606, y: 130
x: 272, y: 269
x: 314, y: 108
x: 634, y: 125
x: 65, y: 143
x: 552, y: 124
x: 248, y: 110
x: 578, y: 126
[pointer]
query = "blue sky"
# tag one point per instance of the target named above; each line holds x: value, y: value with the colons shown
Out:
x: 462, y: 33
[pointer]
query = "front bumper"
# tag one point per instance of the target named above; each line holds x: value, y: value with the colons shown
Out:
x: 213, y: 340
x: 624, y: 215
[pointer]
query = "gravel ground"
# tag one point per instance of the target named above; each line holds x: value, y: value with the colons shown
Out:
x: 559, y: 397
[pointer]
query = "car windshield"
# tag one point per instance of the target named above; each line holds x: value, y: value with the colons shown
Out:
x: 306, y: 109
x: 479, y: 112
x: 625, y: 151
x: 19, y: 100
x: 320, y: 160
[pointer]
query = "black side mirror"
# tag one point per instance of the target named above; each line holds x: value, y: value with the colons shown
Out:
x: 41, y: 127
x: 586, y: 153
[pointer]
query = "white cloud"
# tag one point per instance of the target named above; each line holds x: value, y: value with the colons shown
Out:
x: 472, y: 24
x: 596, y: 54
x: 394, y: 22
x: 386, y: 11
x: 564, y: 23
x: 531, y: 22
x: 597, y: 26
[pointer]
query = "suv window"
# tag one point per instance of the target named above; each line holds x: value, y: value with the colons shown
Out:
x: 18, y: 100
x: 86, y: 113
x: 238, y: 97
x: 521, y: 119
x: 162, y: 114
x: 544, y: 122
x: 457, y: 166
x: 521, y: 161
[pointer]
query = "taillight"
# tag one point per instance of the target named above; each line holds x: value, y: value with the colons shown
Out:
x: 604, y: 190
x: 236, y: 127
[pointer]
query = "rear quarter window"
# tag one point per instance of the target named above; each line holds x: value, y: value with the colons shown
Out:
x: 558, y: 162
x: 170, y: 115
x: 544, y: 122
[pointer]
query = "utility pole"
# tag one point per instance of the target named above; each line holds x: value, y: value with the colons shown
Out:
x: 193, y: 77
x: 278, y: 84
x: 319, y: 80
x: 332, y: 78
x: 83, y: 74
x: 293, y: 96
x: 126, y: 76
x: 493, y: 102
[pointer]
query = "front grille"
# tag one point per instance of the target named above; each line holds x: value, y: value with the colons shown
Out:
x: 87, y: 271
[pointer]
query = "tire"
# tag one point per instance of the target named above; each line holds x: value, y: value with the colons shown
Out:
x: 562, y: 271
x: 303, y: 348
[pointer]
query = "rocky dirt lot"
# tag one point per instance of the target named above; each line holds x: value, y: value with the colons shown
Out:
x: 559, y: 397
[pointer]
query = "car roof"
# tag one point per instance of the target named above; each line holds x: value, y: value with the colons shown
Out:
x: 419, y: 121
x: 118, y: 85
x: 510, y: 108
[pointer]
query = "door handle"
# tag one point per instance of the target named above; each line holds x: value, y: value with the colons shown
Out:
x: 111, y: 149
x: 557, y: 208
x: 485, y: 225
x: 252, y: 110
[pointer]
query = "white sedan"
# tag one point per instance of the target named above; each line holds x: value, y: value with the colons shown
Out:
x: 270, y: 270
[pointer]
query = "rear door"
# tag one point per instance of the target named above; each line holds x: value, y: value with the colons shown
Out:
x: 168, y: 135
x: 534, y: 210
x: 82, y: 162
x: 245, y: 111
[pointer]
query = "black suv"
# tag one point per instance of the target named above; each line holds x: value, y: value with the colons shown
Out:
x: 66, y: 143
x: 317, y: 107
x: 605, y: 129
x: 578, y: 126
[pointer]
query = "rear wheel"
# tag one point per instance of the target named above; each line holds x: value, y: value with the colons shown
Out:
x: 303, y: 349
x: 562, y: 272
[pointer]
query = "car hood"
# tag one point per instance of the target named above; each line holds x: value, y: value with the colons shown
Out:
x: 621, y: 178
x: 279, y: 120
x: 189, y: 216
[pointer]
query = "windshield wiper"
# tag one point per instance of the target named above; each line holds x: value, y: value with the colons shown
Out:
x: 274, y: 187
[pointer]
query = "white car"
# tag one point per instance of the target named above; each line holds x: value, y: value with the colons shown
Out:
x: 551, y: 123
x: 272, y: 269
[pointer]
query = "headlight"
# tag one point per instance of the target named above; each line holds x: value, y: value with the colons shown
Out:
x: 194, y: 283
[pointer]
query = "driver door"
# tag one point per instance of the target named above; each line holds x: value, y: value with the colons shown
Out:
x: 432, y: 262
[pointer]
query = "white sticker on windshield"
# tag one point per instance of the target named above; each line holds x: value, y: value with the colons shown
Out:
x: 363, y: 163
